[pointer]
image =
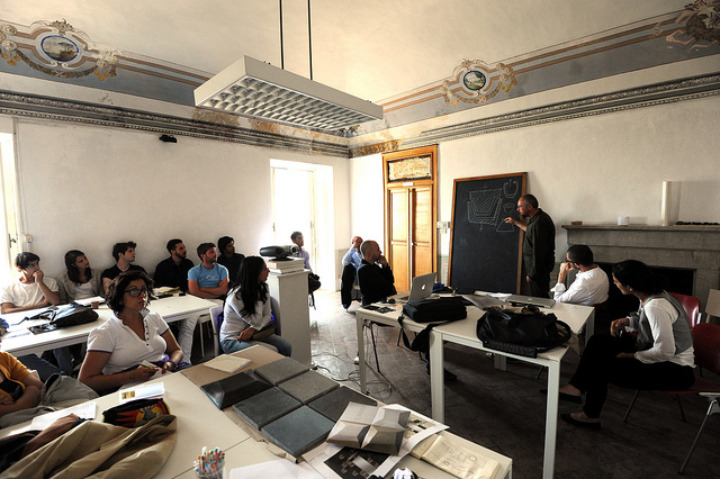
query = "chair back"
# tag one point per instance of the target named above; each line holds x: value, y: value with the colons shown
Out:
x: 713, y: 303
x: 691, y: 305
x: 217, y: 320
x: 706, y: 343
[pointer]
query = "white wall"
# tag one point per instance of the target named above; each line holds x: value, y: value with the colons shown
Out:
x: 367, y: 193
x: 591, y: 169
x: 89, y: 187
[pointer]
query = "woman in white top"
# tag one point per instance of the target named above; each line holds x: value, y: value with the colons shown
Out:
x: 132, y: 335
x: 661, y: 357
x: 78, y: 281
x: 247, y: 315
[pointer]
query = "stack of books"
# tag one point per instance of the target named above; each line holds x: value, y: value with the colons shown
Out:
x: 288, y: 265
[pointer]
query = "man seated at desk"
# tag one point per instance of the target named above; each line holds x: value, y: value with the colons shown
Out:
x: 591, y: 283
x: 351, y: 263
x: 173, y: 271
x: 124, y: 256
x: 375, y: 277
x: 33, y: 290
x: 229, y: 258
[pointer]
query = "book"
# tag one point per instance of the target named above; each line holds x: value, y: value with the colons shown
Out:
x: 454, y: 458
x: 147, y: 391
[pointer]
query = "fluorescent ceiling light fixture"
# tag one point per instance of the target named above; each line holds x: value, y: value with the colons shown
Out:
x: 252, y: 88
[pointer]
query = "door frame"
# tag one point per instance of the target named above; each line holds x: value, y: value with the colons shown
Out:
x: 409, y: 169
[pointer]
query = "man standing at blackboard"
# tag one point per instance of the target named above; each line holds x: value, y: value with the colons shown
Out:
x: 538, y: 245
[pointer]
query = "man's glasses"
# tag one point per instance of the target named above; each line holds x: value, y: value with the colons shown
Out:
x: 134, y: 292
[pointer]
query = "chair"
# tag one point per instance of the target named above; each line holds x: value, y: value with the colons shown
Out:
x: 216, y: 322
x: 692, y: 308
x: 706, y: 341
x: 713, y: 304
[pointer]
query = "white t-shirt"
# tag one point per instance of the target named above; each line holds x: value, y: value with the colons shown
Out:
x: 25, y: 294
x: 84, y: 291
x: 589, y: 288
x: 125, y: 347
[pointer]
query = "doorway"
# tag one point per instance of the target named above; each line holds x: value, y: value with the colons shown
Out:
x: 302, y: 201
x: 411, y: 213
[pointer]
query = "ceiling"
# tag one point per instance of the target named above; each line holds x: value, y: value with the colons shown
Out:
x: 374, y: 49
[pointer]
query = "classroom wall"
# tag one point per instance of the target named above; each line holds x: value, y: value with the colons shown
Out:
x: 89, y: 187
x: 590, y: 169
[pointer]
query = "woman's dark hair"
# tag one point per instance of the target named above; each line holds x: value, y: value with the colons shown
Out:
x: 248, y: 287
x: 73, y: 272
x: 117, y: 288
x: 638, y: 276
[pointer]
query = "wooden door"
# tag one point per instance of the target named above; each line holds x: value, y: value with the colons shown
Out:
x: 410, y: 212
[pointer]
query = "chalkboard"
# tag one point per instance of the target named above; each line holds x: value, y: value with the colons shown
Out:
x: 485, y: 252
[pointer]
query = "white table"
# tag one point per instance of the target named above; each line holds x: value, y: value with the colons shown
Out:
x: 464, y: 332
x: 21, y: 341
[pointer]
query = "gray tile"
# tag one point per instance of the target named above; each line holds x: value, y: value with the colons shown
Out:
x: 308, y: 386
x: 299, y: 431
x: 266, y: 407
x: 280, y: 370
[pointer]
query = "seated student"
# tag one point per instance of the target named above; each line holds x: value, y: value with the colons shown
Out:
x: 375, y: 277
x: 351, y: 263
x: 209, y: 279
x: 591, y: 284
x: 34, y: 290
x: 228, y: 257
x: 661, y: 357
x: 18, y: 388
x: 131, y: 335
x: 78, y: 281
x: 247, y: 315
x: 173, y: 271
x: 124, y: 255
x: 313, y: 279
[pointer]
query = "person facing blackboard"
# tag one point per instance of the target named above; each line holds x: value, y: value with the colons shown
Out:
x: 538, y: 250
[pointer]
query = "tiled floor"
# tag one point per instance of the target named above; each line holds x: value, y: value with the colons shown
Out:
x: 505, y: 411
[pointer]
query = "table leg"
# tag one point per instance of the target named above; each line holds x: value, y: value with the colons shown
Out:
x: 551, y: 419
x: 437, y: 377
x: 361, y: 353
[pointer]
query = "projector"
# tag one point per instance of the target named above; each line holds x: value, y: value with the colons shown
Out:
x: 278, y: 253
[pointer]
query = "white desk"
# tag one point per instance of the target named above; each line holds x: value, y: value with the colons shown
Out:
x: 464, y: 332
x: 21, y: 341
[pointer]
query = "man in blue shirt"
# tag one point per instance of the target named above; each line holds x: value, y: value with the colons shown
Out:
x: 209, y: 279
x: 351, y: 262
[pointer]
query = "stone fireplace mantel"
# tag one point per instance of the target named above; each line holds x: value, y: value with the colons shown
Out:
x: 683, y: 247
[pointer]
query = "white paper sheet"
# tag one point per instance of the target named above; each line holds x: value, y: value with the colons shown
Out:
x: 86, y: 410
x: 281, y: 468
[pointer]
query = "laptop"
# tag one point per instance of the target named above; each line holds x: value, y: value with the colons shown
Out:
x: 520, y: 300
x: 420, y: 288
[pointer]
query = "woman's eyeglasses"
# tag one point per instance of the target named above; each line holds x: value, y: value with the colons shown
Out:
x: 134, y: 292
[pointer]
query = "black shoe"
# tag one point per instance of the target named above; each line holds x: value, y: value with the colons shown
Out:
x: 565, y: 397
x: 587, y: 425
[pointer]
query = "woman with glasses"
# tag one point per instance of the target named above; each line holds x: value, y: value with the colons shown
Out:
x: 660, y: 356
x: 78, y: 281
x: 133, y: 335
x: 247, y: 315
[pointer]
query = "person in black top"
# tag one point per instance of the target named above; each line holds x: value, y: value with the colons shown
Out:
x: 229, y: 258
x: 124, y: 255
x: 375, y: 277
x: 538, y: 245
x: 173, y: 271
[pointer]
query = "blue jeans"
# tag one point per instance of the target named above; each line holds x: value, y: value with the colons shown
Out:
x: 282, y: 345
x: 43, y: 368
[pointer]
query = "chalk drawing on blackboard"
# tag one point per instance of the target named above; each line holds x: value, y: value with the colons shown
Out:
x: 506, y: 227
x: 511, y: 188
x: 484, y: 207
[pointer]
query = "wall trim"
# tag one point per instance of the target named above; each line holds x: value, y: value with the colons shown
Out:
x: 45, y: 108
x: 652, y: 95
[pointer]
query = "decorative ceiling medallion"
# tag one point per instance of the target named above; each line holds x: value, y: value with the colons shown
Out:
x: 475, y: 82
x: 56, y: 49
x: 701, y: 20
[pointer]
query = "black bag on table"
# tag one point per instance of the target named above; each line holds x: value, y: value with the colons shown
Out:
x: 70, y: 316
x: 438, y: 309
x: 521, y: 333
